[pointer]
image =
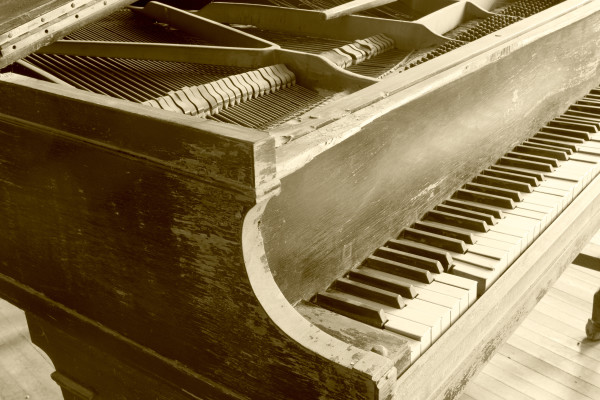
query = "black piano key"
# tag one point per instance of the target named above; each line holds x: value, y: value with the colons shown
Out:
x: 350, y: 307
x: 487, y: 218
x: 526, y: 164
x: 478, y: 187
x: 589, y: 109
x: 538, y: 159
x: 592, y: 96
x: 484, y: 198
x: 480, y: 208
x: 399, y: 269
x: 582, y: 114
x: 588, y: 102
x: 421, y: 251
x: 456, y: 220
x: 503, y: 183
x: 537, y: 151
x: 435, y: 240
x: 530, y: 180
x: 369, y: 292
x: 572, y: 147
x: 523, y: 171
x: 384, y: 281
x: 541, y: 144
x: 566, y: 139
x: 566, y: 132
x: 562, y: 123
x: 582, y: 117
x: 445, y: 230
x: 580, y: 120
x: 405, y: 257
x: 579, y: 116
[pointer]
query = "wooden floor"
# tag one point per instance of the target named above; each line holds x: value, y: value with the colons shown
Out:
x: 24, y: 369
x: 547, y: 358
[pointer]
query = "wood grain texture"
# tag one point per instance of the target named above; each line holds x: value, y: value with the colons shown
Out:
x: 121, y: 247
x: 15, y: 13
x: 235, y: 157
x: 339, y: 207
x: 56, y: 20
x: 357, y: 334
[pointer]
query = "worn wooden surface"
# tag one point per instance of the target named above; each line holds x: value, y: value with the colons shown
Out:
x: 548, y: 356
x: 357, y: 334
x: 351, y: 198
x: 15, y: 13
x: 123, y: 231
x: 30, y: 25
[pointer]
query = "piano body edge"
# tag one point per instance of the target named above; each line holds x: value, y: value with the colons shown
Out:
x: 108, y: 222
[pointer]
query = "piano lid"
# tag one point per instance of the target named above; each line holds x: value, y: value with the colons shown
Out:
x: 27, y: 25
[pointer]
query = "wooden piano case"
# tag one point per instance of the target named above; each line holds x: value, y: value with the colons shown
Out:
x: 159, y: 256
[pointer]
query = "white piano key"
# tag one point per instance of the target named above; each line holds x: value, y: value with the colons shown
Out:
x: 483, y: 277
x: 478, y: 260
x: 448, y: 302
x: 420, y: 315
x: 533, y: 226
x: 501, y: 256
x: 503, y: 237
x: 583, y: 157
x: 565, y: 195
x: 410, y: 329
x: 590, y: 149
x: 512, y: 250
x: 503, y: 227
x: 462, y: 283
x: 437, y: 311
x: 437, y: 293
x: 414, y: 346
x: 559, y: 184
x: 449, y: 296
x: 547, y: 200
x: 544, y: 217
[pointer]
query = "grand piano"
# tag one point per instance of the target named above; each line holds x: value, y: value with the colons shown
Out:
x: 289, y: 199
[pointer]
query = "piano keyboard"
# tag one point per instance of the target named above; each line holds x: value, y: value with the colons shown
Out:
x: 418, y: 284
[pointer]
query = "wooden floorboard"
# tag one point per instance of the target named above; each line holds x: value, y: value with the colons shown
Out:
x: 548, y: 356
x: 24, y: 369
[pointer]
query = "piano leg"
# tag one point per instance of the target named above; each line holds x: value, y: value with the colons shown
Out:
x: 592, y: 329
